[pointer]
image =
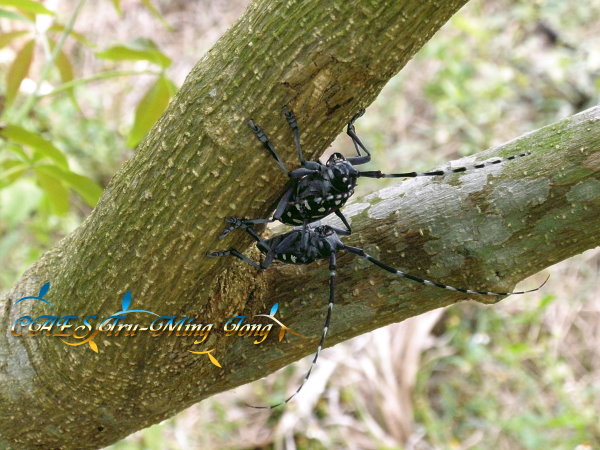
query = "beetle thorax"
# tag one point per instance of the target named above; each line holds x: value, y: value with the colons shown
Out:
x: 342, y: 176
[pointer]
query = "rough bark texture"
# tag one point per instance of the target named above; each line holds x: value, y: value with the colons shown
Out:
x: 162, y: 212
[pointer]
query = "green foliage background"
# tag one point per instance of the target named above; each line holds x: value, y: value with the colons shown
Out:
x: 81, y: 85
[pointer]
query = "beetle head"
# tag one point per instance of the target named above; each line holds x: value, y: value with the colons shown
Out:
x: 335, y: 159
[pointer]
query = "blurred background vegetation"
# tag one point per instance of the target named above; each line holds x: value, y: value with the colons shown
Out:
x: 82, y: 82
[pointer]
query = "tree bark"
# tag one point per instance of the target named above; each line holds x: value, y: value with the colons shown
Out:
x: 163, y: 210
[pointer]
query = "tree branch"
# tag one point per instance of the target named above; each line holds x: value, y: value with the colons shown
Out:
x: 487, y: 230
x: 162, y: 212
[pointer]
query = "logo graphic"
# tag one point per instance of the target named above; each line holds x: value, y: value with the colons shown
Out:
x: 43, y: 290
x: 75, y: 330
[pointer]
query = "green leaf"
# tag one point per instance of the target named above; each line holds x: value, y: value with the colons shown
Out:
x: 13, y: 16
x: 28, y: 14
x: 7, y: 38
x: 18, y: 150
x: 64, y: 67
x: 21, y: 136
x: 89, y: 190
x: 117, y: 5
x: 150, y: 108
x: 11, y: 171
x: 137, y: 50
x: 27, y: 5
x: 156, y: 13
x: 56, y: 192
x: 18, y: 70
x: 60, y: 28
x: 18, y: 201
x: 63, y: 64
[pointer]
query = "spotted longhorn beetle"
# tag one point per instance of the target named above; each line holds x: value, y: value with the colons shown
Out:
x: 316, y: 190
x: 308, y: 244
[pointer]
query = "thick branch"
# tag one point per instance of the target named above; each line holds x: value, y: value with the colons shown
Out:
x: 164, y: 209
x: 485, y: 230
